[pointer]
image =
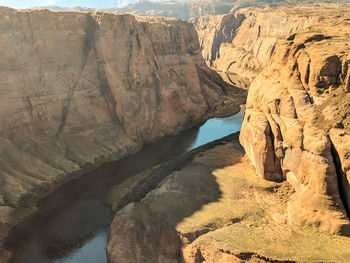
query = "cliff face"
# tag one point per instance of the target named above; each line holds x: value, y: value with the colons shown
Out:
x: 77, y: 89
x: 297, y: 123
x: 242, y: 43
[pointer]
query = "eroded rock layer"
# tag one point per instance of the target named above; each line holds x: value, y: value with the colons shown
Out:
x: 77, y: 89
x: 297, y: 122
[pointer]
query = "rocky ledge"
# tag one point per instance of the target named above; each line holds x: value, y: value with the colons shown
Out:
x: 78, y: 89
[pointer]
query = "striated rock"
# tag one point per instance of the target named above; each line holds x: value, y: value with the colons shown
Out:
x: 78, y: 89
x: 288, y: 131
x: 210, y: 207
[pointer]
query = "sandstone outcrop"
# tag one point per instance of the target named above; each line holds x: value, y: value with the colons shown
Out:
x: 211, y: 207
x: 78, y: 89
x: 296, y: 126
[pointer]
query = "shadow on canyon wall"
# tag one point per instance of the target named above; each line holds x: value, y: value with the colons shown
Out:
x: 76, y: 212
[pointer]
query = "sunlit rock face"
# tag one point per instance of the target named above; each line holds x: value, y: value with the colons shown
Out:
x: 77, y: 89
x: 297, y: 124
x: 242, y: 42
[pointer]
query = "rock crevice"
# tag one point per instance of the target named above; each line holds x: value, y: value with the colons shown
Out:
x: 343, y: 184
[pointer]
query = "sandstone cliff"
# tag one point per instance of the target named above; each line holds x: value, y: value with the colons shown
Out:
x: 297, y: 122
x: 78, y: 89
x: 241, y: 44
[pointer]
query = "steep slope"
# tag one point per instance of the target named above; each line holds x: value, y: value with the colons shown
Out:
x: 297, y: 122
x: 78, y: 89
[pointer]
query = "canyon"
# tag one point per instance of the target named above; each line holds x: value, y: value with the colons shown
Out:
x: 79, y: 89
x: 243, y: 42
x: 283, y: 197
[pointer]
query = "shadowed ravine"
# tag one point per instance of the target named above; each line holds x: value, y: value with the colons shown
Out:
x: 71, y: 225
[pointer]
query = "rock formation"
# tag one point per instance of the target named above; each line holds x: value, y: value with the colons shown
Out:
x: 78, y: 89
x: 297, y: 124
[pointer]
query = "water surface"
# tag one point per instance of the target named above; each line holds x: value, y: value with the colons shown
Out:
x: 71, y: 225
x: 217, y: 128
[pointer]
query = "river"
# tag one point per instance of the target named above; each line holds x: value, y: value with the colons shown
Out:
x: 71, y: 225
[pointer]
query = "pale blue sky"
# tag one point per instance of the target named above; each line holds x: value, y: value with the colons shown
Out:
x: 65, y: 3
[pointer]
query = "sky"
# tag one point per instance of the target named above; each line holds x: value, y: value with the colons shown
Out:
x: 64, y: 3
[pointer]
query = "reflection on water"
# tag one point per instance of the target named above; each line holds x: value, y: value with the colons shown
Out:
x: 217, y: 128
x: 93, y: 251
x: 71, y: 225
